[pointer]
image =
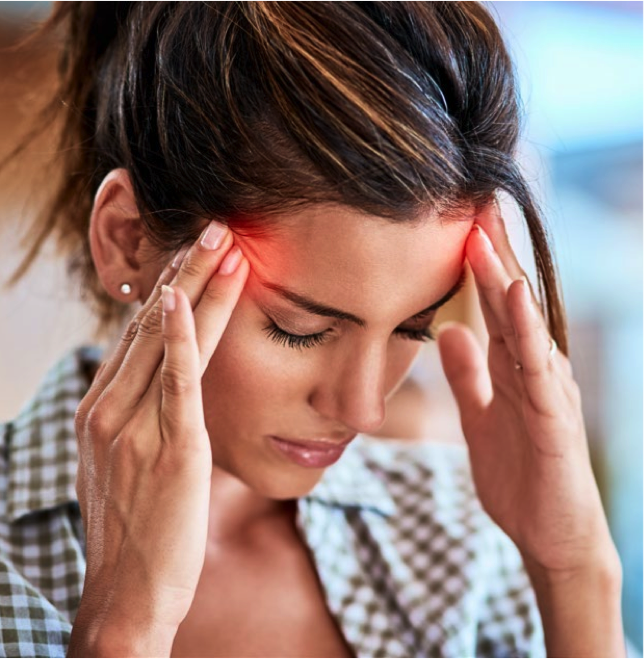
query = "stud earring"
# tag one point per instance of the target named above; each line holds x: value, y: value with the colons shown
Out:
x: 126, y: 289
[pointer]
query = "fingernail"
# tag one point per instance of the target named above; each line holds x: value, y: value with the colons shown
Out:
x: 213, y: 235
x: 168, y: 298
x: 232, y: 260
x: 179, y: 257
x: 485, y: 237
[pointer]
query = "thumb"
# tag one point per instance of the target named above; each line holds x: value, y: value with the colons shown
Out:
x: 465, y: 368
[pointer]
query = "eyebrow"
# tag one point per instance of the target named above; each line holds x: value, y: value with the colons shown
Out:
x: 312, y: 306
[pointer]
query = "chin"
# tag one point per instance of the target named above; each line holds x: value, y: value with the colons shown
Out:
x: 288, y: 487
x: 272, y: 480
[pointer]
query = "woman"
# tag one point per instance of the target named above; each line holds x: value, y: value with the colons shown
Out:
x: 292, y: 190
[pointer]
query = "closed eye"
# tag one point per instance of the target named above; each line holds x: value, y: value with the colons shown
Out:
x: 299, y: 341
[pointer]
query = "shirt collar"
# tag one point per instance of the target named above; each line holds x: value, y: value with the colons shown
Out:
x: 43, y: 456
x: 354, y: 482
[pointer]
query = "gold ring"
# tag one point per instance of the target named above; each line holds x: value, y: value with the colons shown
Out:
x: 553, y: 348
x: 551, y: 353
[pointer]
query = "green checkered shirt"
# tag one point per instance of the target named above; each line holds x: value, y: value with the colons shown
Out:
x: 410, y: 564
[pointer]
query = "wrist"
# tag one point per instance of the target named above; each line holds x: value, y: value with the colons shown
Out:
x: 116, y: 639
x: 581, y: 608
x: 604, y: 570
x: 98, y: 634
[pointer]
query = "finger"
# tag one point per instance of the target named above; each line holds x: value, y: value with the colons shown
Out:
x: 542, y: 379
x: 217, y: 303
x: 141, y: 361
x: 213, y: 312
x: 465, y: 369
x: 110, y: 366
x: 492, y: 283
x: 491, y: 219
x: 181, y: 415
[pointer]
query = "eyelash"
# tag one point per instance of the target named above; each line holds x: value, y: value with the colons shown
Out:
x: 299, y: 342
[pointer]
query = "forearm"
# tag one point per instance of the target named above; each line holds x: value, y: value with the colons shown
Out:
x: 581, y: 613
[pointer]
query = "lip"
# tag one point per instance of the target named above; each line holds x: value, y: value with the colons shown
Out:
x: 308, y: 453
x: 323, y: 444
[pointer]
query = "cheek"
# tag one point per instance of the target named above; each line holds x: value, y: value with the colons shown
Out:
x: 247, y: 368
x: 250, y: 372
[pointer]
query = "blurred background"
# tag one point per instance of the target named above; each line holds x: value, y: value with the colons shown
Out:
x: 580, y: 70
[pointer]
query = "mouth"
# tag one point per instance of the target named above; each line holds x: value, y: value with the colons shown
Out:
x: 314, y: 454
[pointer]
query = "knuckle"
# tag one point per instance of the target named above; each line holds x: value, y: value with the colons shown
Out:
x: 531, y: 370
x: 488, y: 287
x: 177, y: 335
x: 156, y: 295
x: 80, y: 418
x: 150, y: 324
x: 131, y: 331
x: 498, y: 340
x: 545, y: 369
x: 193, y: 268
x: 174, y: 381
x: 508, y: 333
x: 165, y: 278
x: 214, y: 294
x: 96, y: 423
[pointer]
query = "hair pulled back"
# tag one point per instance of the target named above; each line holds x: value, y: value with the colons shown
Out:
x: 240, y: 110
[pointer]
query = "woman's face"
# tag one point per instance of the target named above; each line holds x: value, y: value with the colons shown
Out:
x: 256, y: 386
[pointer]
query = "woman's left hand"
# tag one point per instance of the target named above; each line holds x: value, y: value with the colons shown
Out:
x: 524, y: 427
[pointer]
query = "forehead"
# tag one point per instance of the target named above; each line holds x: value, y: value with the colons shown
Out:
x: 377, y: 269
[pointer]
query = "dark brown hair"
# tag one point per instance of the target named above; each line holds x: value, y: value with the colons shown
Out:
x: 240, y: 110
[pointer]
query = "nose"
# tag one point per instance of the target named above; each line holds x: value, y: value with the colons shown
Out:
x: 353, y: 395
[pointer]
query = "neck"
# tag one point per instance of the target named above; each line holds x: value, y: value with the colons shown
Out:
x: 236, y: 510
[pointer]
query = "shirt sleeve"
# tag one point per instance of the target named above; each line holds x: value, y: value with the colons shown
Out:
x: 30, y: 626
x: 509, y: 623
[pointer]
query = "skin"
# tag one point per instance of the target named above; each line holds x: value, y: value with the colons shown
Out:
x: 254, y: 387
x: 524, y: 428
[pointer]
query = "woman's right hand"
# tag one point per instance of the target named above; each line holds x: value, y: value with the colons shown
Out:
x: 145, y: 462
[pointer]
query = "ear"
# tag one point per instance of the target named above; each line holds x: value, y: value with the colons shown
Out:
x: 116, y: 239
